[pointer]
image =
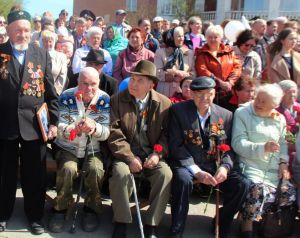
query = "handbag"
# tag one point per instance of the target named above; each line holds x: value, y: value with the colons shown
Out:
x: 278, y: 222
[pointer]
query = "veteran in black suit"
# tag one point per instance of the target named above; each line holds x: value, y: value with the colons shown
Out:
x: 25, y: 84
x: 193, y: 155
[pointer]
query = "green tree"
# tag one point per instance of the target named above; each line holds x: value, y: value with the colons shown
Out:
x: 183, y: 9
x: 5, y: 6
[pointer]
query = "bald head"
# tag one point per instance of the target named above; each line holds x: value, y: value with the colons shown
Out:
x: 88, y: 83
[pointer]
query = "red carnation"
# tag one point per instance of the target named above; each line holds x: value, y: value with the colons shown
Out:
x: 296, y: 108
x: 72, y: 135
x: 221, y: 121
x: 158, y: 148
x: 78, y: 95
x: 288, y: 128
x: 93, y: 107
x: 224, y: 148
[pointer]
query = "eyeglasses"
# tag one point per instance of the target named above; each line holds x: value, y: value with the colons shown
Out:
x: 65, y: 13
x: 2, y: 22
x: 249, y: 45
x: 36, y: 21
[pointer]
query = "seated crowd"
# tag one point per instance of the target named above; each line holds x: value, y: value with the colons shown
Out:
x: 196, y: 109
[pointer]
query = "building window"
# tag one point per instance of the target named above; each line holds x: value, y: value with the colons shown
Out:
x: 289, y: 5
x: 168, y: 8
x: 131, y: 5
x: 249, y: 5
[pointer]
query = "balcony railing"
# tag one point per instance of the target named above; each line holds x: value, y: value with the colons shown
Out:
x: 248, y: 14
x: 208, y: 16
x: 290, y: 14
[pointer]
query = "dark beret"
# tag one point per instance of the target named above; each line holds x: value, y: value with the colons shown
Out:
x: 201, y: 83
x: 18, y: 15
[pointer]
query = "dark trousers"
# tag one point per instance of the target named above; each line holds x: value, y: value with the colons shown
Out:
x: 234, y: 191
x: 32, y: 163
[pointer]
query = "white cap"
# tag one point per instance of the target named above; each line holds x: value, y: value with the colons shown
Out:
x: 175, y: 21
x: 281, y: 19
x: 62, y: 31
x: 157, y: 18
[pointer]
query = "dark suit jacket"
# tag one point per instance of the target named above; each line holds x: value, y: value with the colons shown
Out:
x: 107, y: 84
x: 18, y: 111
x: 184, y: 118
x: 123, y: 123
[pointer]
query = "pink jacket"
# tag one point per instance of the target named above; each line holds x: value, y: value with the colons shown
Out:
x: 128, y: 59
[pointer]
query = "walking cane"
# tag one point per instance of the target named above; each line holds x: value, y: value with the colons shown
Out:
x: 217, y: 235
x: 137, y: 206
x: 83, y: 172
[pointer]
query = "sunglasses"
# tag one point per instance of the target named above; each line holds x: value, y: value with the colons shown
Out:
x: 249, y: 45
x: 2, y: 22
x: 65, y: 13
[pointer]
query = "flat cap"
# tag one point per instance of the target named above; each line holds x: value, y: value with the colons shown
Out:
x: 202, y: 83
x: 18, y: 15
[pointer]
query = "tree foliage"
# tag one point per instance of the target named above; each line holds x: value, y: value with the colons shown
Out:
x: 183, y: 9
x: 5, y: 6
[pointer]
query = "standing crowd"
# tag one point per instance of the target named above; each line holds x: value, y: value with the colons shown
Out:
x: 173, y: 103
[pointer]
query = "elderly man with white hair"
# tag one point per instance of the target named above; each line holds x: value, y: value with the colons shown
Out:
x: 258, y: 138
x: 84, y: 111
x: 94, y: 37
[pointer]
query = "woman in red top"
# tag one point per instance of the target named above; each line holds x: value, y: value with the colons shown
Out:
x: 218, y: 61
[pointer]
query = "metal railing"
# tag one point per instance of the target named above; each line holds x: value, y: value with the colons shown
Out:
x: 290, y: 14
x: 208, y: 16
x: 248, y: 14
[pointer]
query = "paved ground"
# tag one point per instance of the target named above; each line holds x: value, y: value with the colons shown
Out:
x: 198, y: 224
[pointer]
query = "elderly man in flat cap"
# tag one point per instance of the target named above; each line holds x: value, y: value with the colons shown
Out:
x: 26, y: 83
x: 122, y: 27
x: 196, y: 128
x: 138, y: 143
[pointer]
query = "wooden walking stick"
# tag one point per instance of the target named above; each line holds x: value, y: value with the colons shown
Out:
x: 218, y: 160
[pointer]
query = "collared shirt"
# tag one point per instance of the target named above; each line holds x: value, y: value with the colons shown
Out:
x: 20, y: 55
x: 79, y: 64
x: 204, y: 119
x: 195, y: 168
x: 142, y: 102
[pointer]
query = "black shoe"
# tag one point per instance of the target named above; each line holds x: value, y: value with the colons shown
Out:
x: 150, y: 231
x: 177, y: 235
x: 36, y: 228
x: 2, y: 226
x: 57, y: 222
x: 119, y: 230
x: 89, y: 221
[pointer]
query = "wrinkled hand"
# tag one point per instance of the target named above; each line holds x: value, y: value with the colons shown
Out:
x: 52, y: 133
x: 272, y: 146
x: 86, y: 126
x: 226, y: 86
x: 135, y: 165
x: 151, y: 162
x: 206, y: 178
x: 284, y: 172
x: 221, y: 175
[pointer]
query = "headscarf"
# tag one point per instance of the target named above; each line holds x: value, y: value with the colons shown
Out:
x: 116, y: 37
x: 168, y: 38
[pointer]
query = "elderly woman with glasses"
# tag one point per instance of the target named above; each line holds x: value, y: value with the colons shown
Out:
x: 258, y: 138
x: 218, y: 61
x: 250, y: 60
x: 94, y: 37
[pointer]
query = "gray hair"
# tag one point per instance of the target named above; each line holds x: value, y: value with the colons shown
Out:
x: 94, y: 30
x: 89, y: 72
x: 273, y: 90
x: 216, y: 30
x: 80, y: 20
x: 287, y: 84
x: 178, y: 29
